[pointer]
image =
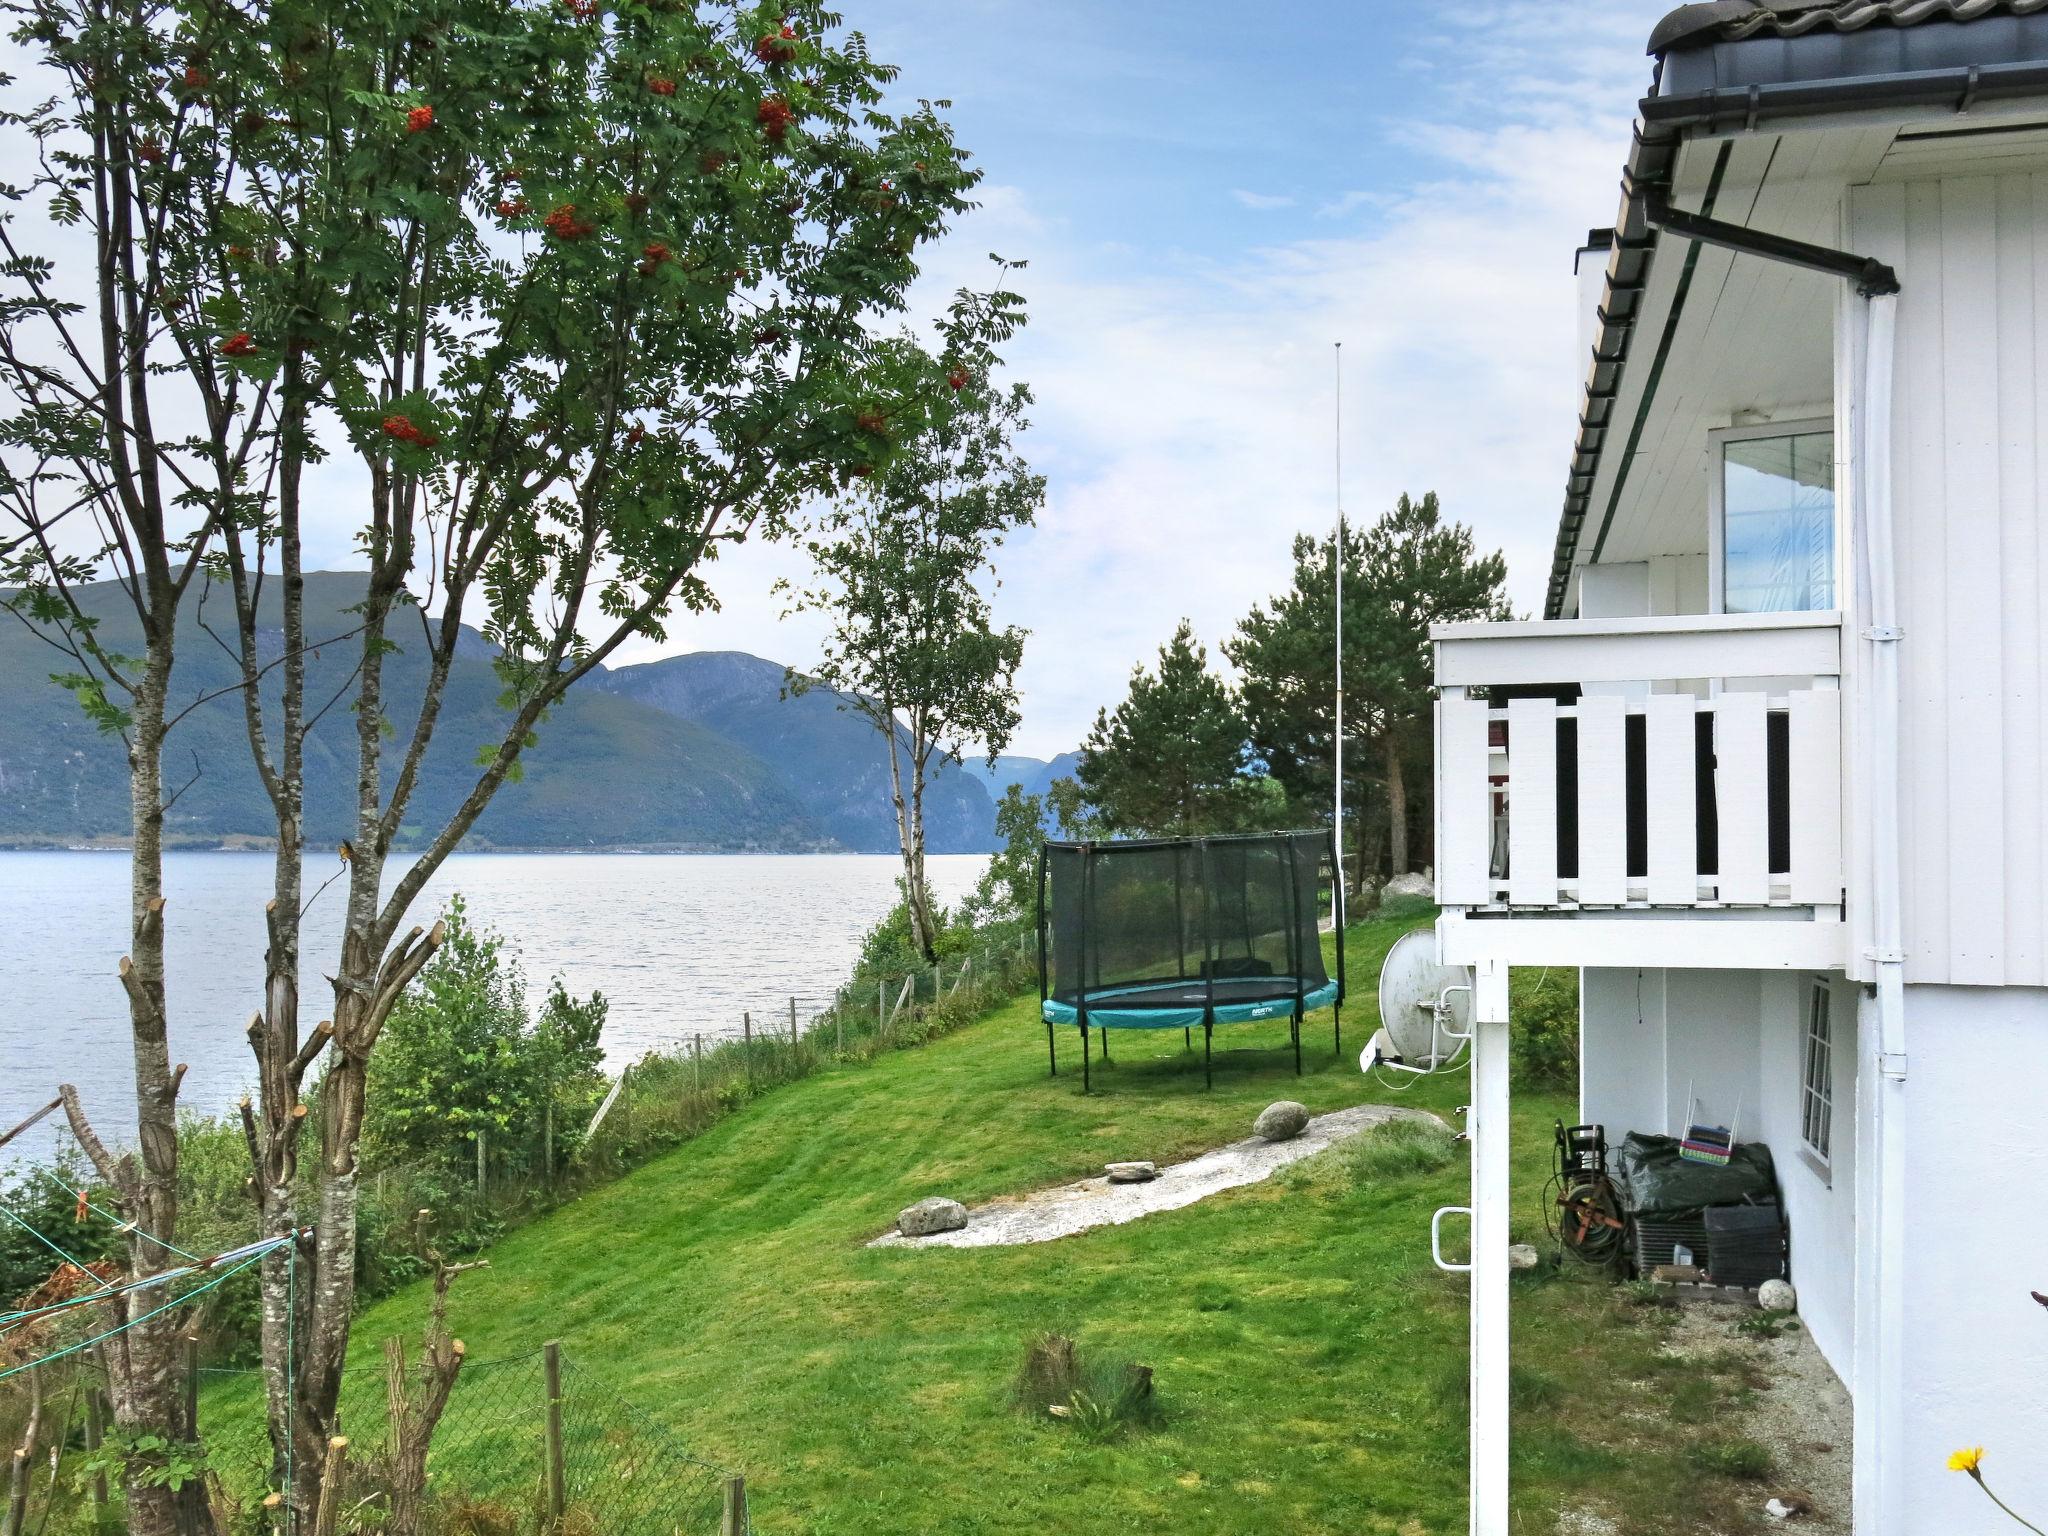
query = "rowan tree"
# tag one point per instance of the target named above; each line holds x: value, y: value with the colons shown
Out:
x: 546, y: 300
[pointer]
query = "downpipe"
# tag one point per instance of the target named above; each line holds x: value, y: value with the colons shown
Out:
x: 1879, y: 1498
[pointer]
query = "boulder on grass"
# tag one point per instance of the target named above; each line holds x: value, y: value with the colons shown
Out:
x: 938, y: 1214
x: 1409, y: 885
x: 1130, y: 1173
x: 1281, y: 1122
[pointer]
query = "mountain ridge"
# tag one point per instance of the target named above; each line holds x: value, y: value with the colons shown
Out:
x: 700, y: 752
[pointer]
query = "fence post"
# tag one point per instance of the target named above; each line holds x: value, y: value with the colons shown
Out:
x: 747, y: 1036
x: 696, y: 1061
x: 482, y: 1151
x: 839, y: 1023
x: 17, y: 1494
x: 190, y: 1347
x: 792, y: 1027
x: 558, y: 1500
x: 547, y: 1138
x: 95, y: 1422
x: 881, y: 1008
x: 734, y: 1521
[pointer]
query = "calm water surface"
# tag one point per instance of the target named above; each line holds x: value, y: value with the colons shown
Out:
x: 679, y: 943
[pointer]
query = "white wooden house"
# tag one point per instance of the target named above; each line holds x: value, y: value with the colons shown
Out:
x: 1772, y: 769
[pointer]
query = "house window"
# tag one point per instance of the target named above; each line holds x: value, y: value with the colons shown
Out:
x: 1774, y: 520
x: 1817, y: 1074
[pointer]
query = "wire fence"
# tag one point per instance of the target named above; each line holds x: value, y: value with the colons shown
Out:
x: 509, y: 1457
x: 492, y: 1473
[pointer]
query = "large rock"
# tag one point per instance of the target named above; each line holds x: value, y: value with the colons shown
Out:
x: 1281, y: 1122
x: 1131, y: 1173
x: 1409, y: 885
x: 937, y: 1214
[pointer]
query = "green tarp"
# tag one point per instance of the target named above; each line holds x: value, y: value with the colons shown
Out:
x: 1661, y: 1183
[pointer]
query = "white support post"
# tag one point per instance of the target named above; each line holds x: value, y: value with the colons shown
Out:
x: 1488, y: 1127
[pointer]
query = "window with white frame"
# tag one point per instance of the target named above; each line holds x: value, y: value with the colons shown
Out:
x: 1817, y: 1075
x: 1773, y: 519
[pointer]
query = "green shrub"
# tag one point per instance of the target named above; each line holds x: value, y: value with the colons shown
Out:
x: 1543, y: 1013
x: 463, y: 1056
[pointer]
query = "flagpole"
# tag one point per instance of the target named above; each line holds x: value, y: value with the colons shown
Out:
x: 1337, y: 562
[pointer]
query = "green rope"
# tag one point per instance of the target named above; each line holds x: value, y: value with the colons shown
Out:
x: 125, y: 1226
x: 291, y: 1396
x: 135, y: 1322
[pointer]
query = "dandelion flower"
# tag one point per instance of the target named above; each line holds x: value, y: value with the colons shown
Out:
x: 1966, y: 1460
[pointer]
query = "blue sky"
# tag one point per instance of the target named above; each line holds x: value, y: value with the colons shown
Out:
x: 1208, y: 196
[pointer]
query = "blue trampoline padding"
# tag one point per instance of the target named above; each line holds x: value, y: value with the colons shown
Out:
x: 1103, y: 1013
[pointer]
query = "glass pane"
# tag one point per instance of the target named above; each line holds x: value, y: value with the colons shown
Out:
x: 1778, y: 523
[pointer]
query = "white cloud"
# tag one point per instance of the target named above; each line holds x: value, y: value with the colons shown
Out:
x: 1185, y: 405
x: 1262, y: 201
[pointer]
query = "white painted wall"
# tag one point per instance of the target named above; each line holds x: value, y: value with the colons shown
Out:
x: 1621, y: 1051
x: 1820, y: 1203
x: 1976, y: 1367
x: 1969, y: 483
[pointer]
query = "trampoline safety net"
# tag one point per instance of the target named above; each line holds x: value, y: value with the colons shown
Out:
x: 1174, y: 924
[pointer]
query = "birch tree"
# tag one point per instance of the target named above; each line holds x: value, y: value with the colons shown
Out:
x: 902, y: 567
x: 554, y: 300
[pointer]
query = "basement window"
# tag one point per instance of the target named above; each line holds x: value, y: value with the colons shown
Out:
x: 1773, y: 519
x: 1817, y: 1075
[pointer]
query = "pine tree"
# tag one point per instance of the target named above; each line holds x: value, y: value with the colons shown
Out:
x: 1172, y: 759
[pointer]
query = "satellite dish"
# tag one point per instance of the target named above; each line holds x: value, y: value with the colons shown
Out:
x: 1425, y: 1009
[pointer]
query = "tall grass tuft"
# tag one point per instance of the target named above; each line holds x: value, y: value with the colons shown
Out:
x: 1101, y: 1396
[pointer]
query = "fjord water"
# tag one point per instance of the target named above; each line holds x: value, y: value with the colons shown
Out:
x: 678, y: 943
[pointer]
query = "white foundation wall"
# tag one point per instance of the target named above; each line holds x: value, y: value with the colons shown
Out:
x: 1820, y: 1198
x: 1733, y: 1040
x: 1976, y: 1365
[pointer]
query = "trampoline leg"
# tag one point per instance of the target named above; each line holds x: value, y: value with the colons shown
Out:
x: 1297, y: 1047
x: 1052, y: 1050
x: 1105, y: 1047
x: 1208, y: 1060
x: 1337, y: 1017
x: 1084, y: 1058
x: 1187, y: 1038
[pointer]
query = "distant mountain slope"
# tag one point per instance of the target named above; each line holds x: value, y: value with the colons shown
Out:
x: 607, y: 771
x: 1034, y: 775
x: 829, y: 758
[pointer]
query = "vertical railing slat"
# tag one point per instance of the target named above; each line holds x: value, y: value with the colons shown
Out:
x: 1532, y: 802
x: 1673, y: 809
x: 1603, y: 800
x: 1742, y: 800
x: 1814, y: 736
x: 1464, y: 804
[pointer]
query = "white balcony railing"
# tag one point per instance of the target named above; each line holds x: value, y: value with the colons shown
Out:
x: 1600, y: 765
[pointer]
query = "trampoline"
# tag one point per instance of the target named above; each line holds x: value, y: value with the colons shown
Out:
x: 1160, y: 933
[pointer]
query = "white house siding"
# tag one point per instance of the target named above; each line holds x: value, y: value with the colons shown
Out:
x: 1733, y: 1038
x: 1971, y: 415
x: 1976, y: 1366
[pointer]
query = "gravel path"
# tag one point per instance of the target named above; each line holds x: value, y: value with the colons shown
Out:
x: 1051, y: 1213
x: 1803, y: 1417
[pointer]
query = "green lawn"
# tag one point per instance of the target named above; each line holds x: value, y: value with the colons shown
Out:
x: 1310, y: 1362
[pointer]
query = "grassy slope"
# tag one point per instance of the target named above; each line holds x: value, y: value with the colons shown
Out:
x: 1310, y: 1361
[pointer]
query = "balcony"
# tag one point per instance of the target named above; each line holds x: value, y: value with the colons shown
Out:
x: 1663, y: 791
